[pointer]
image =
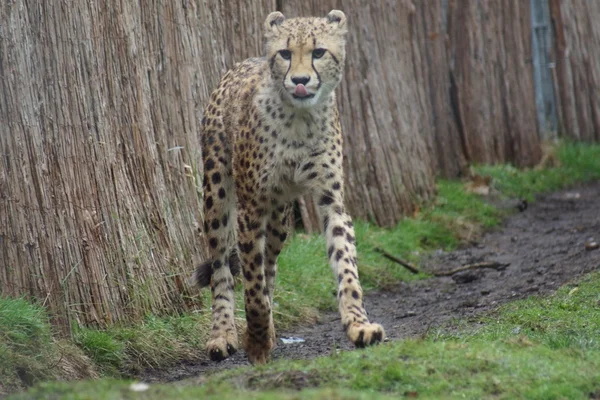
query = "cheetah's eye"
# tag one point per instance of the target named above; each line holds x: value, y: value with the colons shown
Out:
x: 285, y: 54
x: 318, y: 53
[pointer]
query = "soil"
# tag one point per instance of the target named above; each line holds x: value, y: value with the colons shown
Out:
x: 540, y: 248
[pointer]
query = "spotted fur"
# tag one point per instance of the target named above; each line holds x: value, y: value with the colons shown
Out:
x: 263, y: 146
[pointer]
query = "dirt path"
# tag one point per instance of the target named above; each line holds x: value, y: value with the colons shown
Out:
x: 544, y: 247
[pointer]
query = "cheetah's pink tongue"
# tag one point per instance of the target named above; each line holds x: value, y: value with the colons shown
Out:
x: 300, y: 91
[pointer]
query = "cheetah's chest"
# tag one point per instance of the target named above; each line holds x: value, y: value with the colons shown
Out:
x: 295, y: 146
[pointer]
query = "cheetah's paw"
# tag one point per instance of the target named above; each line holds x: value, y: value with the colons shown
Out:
x: 220, y: 348
x: 258, y: 351
x: 365, y: 334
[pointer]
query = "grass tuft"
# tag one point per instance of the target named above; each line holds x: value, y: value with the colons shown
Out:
x: 153, y: 343
x: 568, y: 319
x: 578, y: 162
x: 28, y: 351
x: 25, y: 339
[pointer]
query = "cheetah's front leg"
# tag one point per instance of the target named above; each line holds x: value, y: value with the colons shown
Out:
x: 341, y: 251
x: 260, y: 334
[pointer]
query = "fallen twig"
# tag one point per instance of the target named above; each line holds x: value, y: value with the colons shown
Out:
x: 485, y: 264
x: 391, y: 257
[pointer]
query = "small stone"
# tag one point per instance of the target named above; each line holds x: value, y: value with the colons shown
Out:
x: 411, y: 313
x: 572, y: 195
x: 292, y: 340
x: 592, y: 245
x: 139, y: 387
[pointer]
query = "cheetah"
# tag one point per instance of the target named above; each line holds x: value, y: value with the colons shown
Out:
x: 271, y: 133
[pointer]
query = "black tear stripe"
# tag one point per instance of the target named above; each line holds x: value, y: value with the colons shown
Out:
x: 312, y: 63
x: 334, y: 58
x: 272, y: 61
x: 289, y: 65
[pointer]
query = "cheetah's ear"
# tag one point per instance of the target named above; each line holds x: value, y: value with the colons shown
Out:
x: 273, y: 21
x: 337, y: 17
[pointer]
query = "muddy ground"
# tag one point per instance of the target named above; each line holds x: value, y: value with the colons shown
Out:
x: 543, y: 246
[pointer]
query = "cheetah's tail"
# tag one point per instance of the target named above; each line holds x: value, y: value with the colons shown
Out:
x: 203, y: 273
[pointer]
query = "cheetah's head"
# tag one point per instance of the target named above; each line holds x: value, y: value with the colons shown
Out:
x: 306, y: 56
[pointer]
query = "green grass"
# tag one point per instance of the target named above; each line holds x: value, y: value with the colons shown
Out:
x: 569, y: 319
x: 537, y: 348
x: 29, y: 353
x: 153, y: 343
x: 24, y: 335
x: 454, y: 217
x: 578, y: 163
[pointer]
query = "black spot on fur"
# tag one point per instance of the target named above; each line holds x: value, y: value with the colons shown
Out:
x: 326, y: 199
x: 325, y: 222
x: 308, y: 166
x: 253, y: 225
x: 222, y: 297
x: 235, y: 263
x: 338, y: 231
x: 209, y: 165
x: 246, y: 247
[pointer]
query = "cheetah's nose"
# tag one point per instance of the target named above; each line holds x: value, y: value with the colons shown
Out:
x: 300, y: 80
